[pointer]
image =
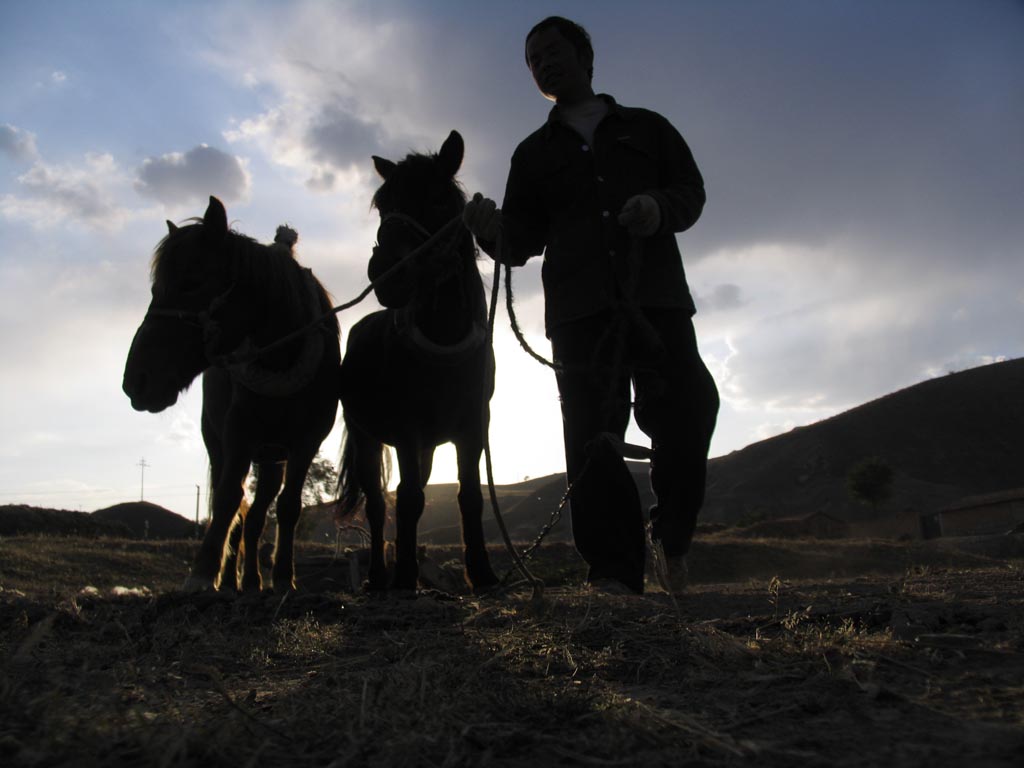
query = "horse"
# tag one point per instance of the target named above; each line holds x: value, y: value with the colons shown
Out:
x: 418, y: 373
x: 220, y: 301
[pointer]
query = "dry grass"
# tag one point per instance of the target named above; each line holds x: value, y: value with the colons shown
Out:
x: 923, y: 666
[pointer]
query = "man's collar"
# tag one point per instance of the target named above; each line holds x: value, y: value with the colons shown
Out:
x: 554, y: 117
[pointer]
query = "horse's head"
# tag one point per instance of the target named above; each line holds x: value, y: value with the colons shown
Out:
x: 191, y: 276
x: 419, y: 196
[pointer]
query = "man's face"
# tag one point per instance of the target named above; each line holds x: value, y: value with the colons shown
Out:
x: 556, y: 68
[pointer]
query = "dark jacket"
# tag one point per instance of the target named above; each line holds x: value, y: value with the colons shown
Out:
x: 563, y: 198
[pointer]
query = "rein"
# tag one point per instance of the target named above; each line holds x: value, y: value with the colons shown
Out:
x: 250, y: 355
x: 190, y: 317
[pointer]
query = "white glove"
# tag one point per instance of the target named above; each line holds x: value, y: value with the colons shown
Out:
x: 482, y: 217
x: 641, y: 215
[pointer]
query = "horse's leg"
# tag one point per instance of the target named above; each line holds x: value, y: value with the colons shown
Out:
x: 227, y: 495
x: 268, y: 483
x: 210, y: 427
x: 408, y: 509
x: 479, y: 574
x: 233, y: 546
x: 369, y: 466
x: 289, y: 507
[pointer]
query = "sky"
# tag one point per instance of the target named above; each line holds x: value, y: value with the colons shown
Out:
x: 864, y: 165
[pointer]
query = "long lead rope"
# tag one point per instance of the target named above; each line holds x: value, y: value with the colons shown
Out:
x: 252, y: 354
x: 520, y: 564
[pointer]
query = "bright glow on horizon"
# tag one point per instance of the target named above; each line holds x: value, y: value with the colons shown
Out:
x: 859, y: 240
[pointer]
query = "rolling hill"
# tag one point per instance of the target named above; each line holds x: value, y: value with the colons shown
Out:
x: 148, y: 521
x: 946, y: 438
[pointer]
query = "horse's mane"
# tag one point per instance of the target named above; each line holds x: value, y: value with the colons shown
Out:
x: 417, y: 171
x: 269, y: 272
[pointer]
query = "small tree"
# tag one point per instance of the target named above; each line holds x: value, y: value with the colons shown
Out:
x: 870, y: 481
x: 318, y: 487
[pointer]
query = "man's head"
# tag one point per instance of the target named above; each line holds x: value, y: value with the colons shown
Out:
x: 561, y: 58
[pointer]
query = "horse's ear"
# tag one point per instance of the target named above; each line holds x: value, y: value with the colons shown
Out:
x: 216, y: 218
x: 384, y: 167
x: 451, y: 153
x: 171, y: 228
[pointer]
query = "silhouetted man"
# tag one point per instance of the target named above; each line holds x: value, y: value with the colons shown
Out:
x: 600, y: 190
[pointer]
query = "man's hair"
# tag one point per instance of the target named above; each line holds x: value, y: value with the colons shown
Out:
x: 572, y: 32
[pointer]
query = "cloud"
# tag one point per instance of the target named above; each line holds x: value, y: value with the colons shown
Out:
x: 803, y: 136
x: 331, y: 146
x: 822, y: 329
x: 341, y: 140
x: 177, y: 178
x: 83, y: 193
x: 329, y: 102
x: 18, y: 144
x: 722, y: 297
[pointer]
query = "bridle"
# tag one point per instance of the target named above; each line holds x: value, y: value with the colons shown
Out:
x: 198, y: 318
x: 202, y: 319
x: 404, y: 324
x: 441, y: 247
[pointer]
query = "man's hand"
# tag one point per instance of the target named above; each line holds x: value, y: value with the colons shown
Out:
x: 483, y: 218
x: 641, y: 215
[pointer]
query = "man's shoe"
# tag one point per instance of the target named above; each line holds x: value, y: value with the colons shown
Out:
x: 672, y: 573
x: 677, y: 576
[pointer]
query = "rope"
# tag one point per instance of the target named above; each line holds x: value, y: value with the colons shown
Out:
x: 520, y: 564
x: 627, y: 314
x: 516, y: 330
x: 252, y: 354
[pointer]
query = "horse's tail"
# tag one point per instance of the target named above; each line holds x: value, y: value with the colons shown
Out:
x: 351, y: 492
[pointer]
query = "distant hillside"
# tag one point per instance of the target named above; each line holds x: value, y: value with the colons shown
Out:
x: 149, y: 521
x: 525, y: 508
x: 946, y: 438
x: 21, y: 519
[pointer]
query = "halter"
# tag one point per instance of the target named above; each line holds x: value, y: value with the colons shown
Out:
x: 407, y: 220
x: 203, y: 319
x: 241, y: 362
x: 405, y: 326
x: 425, y: 238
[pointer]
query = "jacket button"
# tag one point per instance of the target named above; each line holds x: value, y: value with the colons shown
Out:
x: 585, y: 148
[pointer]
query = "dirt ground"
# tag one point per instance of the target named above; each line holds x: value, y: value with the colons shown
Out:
x: 782, y: 653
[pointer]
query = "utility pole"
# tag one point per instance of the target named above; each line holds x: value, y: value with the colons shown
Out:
x: 197, y: 511
x: 142, y: 481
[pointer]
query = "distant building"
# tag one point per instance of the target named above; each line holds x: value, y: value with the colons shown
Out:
x: 992, y: 513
